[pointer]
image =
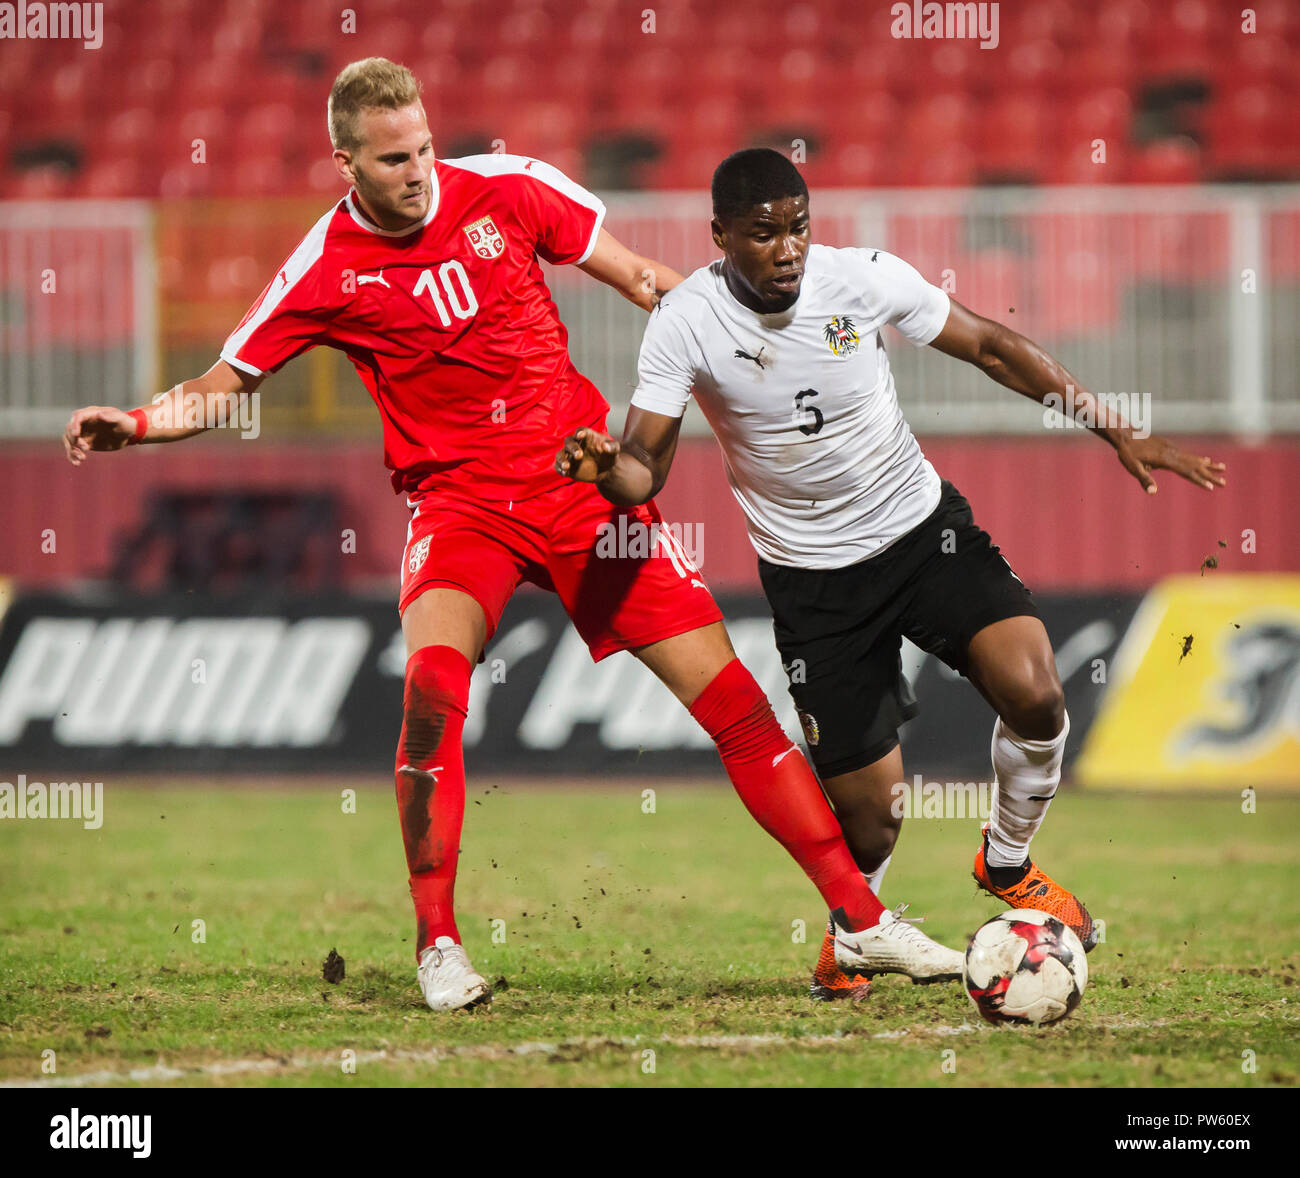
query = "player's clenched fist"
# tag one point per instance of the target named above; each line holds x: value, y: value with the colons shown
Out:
x: 96, y: 427
x: 586, y: 455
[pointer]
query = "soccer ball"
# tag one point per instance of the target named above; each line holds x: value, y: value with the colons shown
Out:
x: 1025, y: 967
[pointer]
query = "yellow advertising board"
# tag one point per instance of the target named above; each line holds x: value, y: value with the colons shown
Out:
x: 1205, y: 689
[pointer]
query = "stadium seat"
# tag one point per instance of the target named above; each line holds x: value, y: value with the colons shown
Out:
x: 860, y: 165
x: 1012, y: 139
x: 41, y: 183
x: 232, y: 543
x: 111, y: 178
x: 948, y: 165
x: 1169, y: 161
x: 1251, y: 134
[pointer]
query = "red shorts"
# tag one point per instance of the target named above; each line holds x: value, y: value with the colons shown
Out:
x: 624, y: 582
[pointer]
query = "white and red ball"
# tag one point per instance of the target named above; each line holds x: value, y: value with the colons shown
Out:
x: 1025, y: 966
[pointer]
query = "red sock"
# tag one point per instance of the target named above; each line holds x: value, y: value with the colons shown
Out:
x: 781, y: 792
x: 431, y: 802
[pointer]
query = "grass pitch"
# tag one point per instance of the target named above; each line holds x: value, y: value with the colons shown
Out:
x: 637, y: 949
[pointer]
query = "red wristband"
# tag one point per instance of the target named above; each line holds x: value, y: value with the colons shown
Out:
x: 141, y: 427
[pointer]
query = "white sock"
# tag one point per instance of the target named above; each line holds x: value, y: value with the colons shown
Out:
x: 1027, y: 773
x: 877, y: 877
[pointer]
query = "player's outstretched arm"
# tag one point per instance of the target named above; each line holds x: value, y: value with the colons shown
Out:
x: 640, y: 280
x: 1021, y: 365
x: 213, y: 397
x: 628, y: 472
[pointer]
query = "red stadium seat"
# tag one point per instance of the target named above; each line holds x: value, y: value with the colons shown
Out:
x: 41, y: 183
x: 1072, y: 162
x: 1059, y: 21
x: 1099, y: 114
x: 183, y: 180
x: 933, y: 123
x: 860, y: 165
x: 113, y: 178
x: 944, y: 165
x: 153, y: 81
x: 1250, y: 133
x: 213, y: 82
x: 1092, y: 67
x: 1013, y: 138
x: 268, y: 125
x: 129, y: 132
x: 1034, y: 67
x: 258, y: 174
x: 1168, y: 161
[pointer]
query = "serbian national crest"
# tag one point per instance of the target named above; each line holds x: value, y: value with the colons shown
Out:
x: 841, y: 337
x: 418, y: 554
x: 485, y: 239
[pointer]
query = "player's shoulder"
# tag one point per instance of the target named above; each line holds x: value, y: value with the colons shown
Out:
x: 502, y: 169
x: 697, y: 288
x: 325, y: 229
x: 683, y: 308
x: 304, y: 268
x: 847, y: 261
x: 864, y: 270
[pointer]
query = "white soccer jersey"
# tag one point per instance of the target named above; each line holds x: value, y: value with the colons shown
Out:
x: 802, y: 402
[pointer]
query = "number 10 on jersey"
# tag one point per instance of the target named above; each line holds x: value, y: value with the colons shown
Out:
x: 462, y: 300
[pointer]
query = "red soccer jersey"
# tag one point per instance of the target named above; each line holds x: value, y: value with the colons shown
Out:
x: 449, y: 324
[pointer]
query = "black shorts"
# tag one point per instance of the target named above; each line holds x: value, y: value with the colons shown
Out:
x: 840, y: 631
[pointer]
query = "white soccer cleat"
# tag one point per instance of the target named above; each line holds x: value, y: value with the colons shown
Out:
x: 447, y: 980
x: 896, y: 946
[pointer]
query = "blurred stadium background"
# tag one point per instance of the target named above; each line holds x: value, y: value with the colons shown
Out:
x: 1117, y: 180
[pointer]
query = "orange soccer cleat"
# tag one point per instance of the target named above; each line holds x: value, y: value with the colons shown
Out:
x: 1037, y: 889
x: 829, y: 982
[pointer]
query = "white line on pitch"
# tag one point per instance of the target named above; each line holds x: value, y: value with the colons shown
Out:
x: 161, y: 1072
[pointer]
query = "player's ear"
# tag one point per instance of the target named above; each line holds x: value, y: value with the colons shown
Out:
x: 719, y: 235
x: 343, y: 162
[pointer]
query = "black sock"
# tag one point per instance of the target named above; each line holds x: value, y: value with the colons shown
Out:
x: 1004, y: 877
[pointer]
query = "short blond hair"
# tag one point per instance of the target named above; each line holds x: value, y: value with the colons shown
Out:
x: 373, y: 82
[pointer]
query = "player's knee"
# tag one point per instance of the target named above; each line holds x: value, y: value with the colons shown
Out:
x: 870, y: 832
x: 1037, y: 710
x: 871, y: 845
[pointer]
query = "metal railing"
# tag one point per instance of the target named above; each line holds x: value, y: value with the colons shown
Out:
x: 1190, y: 295
x: 78, y: 310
